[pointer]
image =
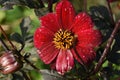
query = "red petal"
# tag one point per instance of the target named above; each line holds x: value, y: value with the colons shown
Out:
x: 65, y: 13
x: 50, y: 21
x: 82, y: 22
x: 41, y: 36
x: 89, y: 38
x: 64, y: 61
x: 76, y: 56
x: 86, y: 54
x: 48, y: 53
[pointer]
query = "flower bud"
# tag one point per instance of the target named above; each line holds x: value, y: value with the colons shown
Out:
x: 9, y: 63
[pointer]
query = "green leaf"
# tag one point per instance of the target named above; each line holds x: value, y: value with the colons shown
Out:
x: 35, y: 75
x: 24, y: 26
x: 41, y: 11
x: 100, y: 16
x: 17, y: 37
x: 17, y: 76
x: 8, y: 4
x: 114, y: 55
x: 5, y: 77
x: 29, y: 38
x: 51, y: 75
x: 115, y: 58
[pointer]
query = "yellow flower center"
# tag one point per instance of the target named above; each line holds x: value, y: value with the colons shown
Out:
x: 63, y: 39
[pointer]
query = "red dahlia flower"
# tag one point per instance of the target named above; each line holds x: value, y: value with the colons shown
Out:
x: 64, y: 36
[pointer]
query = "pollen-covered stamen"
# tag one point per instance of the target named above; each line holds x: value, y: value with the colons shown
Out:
x: 63, y: 39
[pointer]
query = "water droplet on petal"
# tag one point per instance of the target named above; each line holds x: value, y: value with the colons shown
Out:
x: 65, y: 9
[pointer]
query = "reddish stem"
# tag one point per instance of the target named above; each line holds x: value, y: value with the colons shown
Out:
x: 111, y: 14
x: 105, y: 52
x: 33, y: 66
x: 25, y: 75
x: 4, y: 45
x: 4, y: 34
x: 50, y: 3
x: 85, y: 5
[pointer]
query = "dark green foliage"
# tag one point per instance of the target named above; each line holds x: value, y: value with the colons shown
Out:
x: 17, y: 37
x: 101, y: 16
x: 51, y: 75
x: 24, y: 36
x: 30, y: 3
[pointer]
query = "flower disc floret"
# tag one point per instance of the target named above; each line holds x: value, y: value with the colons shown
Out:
x: 63, y: 39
